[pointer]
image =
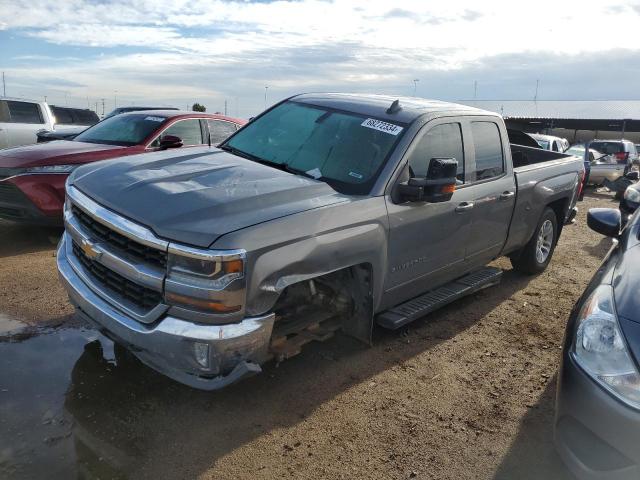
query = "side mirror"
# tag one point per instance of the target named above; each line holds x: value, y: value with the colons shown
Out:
x: 607, y: 221
x: 170, y: 141
x: 633, y: 176
x: 437, y: 186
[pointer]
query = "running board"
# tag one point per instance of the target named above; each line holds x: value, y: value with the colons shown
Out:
x: 415, y: 308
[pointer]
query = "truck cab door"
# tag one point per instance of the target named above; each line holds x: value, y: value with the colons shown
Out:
x: 427, y: 241
x: 493, y: 188
x: 25, y: 119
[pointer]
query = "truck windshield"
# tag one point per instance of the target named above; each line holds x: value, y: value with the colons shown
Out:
x: 345, y: 150
x: 123, y: 130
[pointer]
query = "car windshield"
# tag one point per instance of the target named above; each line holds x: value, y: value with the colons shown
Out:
x: 123, y: 130
x: 607, y: 147
x: 343, y: 149
x: 578, y: 151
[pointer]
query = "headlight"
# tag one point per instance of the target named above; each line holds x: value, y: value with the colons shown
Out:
x: 205, y: 281
x: 52, y: 169
x: 632, y: 195
x: 601, y: 350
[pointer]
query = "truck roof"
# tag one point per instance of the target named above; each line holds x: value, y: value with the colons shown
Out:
x: 377, y: 105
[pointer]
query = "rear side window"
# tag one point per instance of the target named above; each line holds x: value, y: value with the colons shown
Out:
x: 24, y: 112
x: 74, y: 116
x: 63, y: 115
x: 220, y: 130
x: 607, y: 147
x: 440, y: 141
x: 188, y: 130
x: 487, y: 146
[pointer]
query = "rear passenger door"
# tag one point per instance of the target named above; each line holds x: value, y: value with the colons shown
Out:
x: 494, y: 191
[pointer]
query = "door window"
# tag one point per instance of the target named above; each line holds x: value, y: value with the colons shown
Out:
x: 24, y: 112
x: 487, y: 146
x: 188, y: 130
x: 441, y: 141
x: 220, y: 130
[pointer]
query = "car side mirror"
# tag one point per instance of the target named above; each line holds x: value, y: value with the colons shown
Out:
x: 607, y: 221
x: 437, y: 186
x: 633, y: 176
x: 170, y: 141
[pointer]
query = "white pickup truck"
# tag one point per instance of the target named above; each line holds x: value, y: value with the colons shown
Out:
x: 21, y: 120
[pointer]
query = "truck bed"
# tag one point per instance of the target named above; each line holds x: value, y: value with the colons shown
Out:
x: 527, y: 156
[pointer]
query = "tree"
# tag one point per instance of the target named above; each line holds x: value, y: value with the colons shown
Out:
x: 198, y: 108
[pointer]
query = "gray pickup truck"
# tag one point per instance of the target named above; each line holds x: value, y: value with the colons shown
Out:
x: 326, y: 212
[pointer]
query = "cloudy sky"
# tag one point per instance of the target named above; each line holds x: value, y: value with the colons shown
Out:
x: 176, y: 52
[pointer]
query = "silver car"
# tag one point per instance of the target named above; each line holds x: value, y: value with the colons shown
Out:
x: 618, y: 157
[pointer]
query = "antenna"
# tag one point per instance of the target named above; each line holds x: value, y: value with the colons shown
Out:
x: 394, y: 108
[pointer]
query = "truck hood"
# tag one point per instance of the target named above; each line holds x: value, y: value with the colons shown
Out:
x: 56, y: 153
x: 197, y: 195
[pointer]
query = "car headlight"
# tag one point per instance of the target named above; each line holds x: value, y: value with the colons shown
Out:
x: 601, y: 350
x: 202, y: 280
x: 632, y: 195
x: 51, y: 169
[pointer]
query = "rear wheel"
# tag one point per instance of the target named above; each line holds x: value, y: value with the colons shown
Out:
x: 537, y: 253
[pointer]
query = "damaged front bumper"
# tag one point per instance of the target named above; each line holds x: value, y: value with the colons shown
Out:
x: 172, y: 346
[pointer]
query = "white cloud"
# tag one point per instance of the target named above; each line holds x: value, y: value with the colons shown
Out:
x: 306, y: 43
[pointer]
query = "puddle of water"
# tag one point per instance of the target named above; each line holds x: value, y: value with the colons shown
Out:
x: 64, y: 411
x: 9, y: 325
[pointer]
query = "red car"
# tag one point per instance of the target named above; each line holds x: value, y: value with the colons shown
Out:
x: 32, y: 177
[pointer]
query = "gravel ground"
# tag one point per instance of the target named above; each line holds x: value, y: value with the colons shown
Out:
x: 466, y: 392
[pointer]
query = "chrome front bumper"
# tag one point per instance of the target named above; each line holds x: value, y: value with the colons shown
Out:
x: 169, y: 345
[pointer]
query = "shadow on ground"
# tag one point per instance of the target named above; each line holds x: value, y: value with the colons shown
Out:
x: 93, y: 411
x: 532, y: 455
x: 16, y: 239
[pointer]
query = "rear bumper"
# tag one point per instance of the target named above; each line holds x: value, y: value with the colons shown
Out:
x: 169, y: 345
x: 33, y: 199
x: 595, y: 434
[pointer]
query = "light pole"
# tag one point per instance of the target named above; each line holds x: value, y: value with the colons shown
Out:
x: 265, y: 96
x: 115, y: 99
x: 415, y: 85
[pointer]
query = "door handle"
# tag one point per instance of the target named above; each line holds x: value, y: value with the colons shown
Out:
x: 464, y: 207
x: 506, y: 195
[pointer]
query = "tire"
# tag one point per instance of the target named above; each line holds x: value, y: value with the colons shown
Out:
x: 534, y: 256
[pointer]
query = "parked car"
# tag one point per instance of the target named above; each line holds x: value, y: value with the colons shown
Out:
x: 326, y: 211
x: 120, y: 110
x: 630, y: 199
x: 597, y: 419
x: 21, y: 120
x: 589, y: 155
x: 32, y: 177
x: 549, y: 142
x: 619, y: 156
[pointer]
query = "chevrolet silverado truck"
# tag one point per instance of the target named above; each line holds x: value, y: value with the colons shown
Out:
x: 326, y: 212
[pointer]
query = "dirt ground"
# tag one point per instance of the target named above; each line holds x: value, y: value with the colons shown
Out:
x: 466, y: 392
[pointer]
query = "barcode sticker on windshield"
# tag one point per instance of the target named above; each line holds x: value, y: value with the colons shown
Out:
x: 155, y: 119
x: 382, y: 126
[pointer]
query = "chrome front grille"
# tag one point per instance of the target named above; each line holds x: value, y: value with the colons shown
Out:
x: 142, y: 297
x: 121, y: 261
x: 128, y: 246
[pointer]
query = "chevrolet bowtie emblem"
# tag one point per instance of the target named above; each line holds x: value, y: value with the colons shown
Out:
x: 90, y: 250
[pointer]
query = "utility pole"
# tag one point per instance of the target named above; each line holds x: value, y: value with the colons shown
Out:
x: 415, y: 85
x: 102, y: 107
x: 115, y: 99
x: 225, y: 107
x: 45, y: 99
x: 475, y: 90
x: 96, y: 108
x: 265, y: 96
x: 535, y: 97
x: 4, y: 86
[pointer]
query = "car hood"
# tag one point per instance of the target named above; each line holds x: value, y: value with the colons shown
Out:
x: 56, y: 153
x: 196, y: 196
